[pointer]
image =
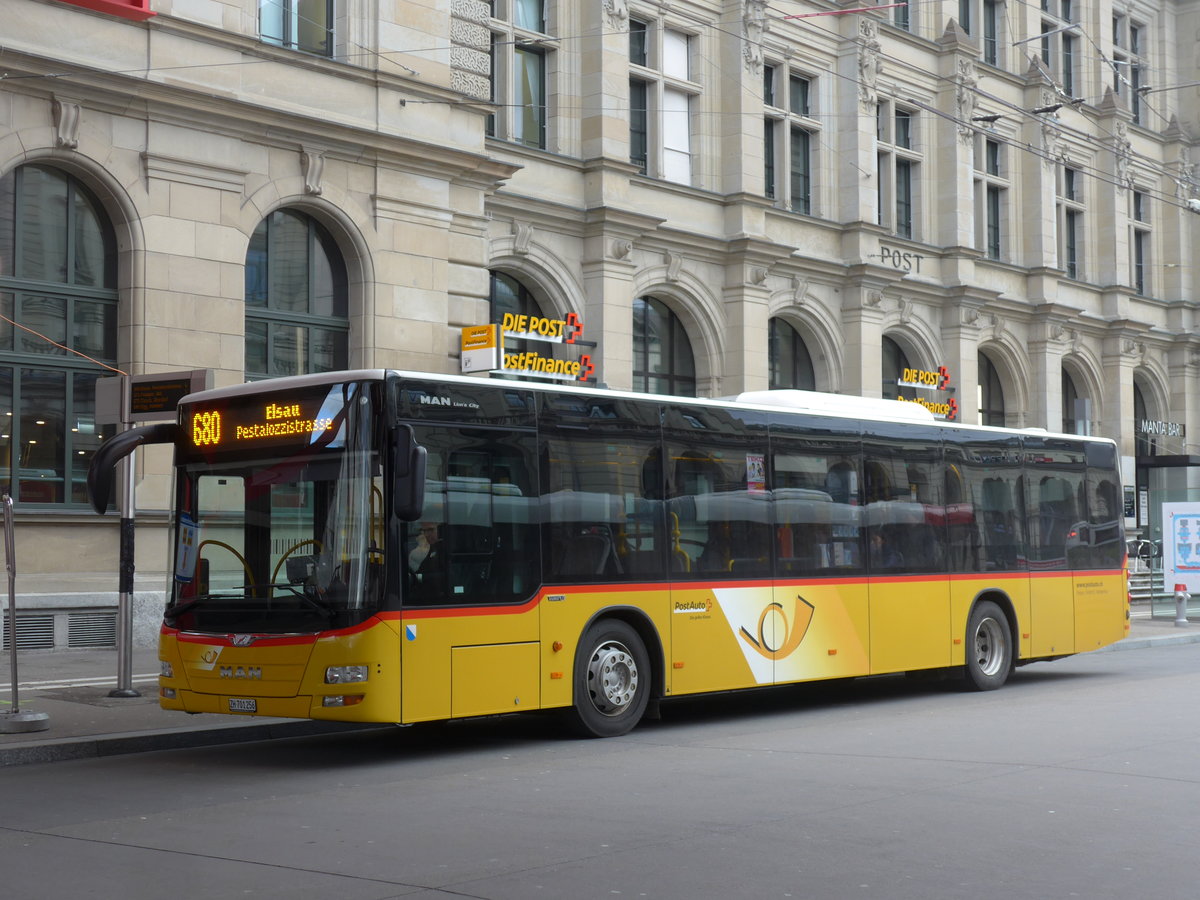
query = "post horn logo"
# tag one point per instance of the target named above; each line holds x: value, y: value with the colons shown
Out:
x: 777, y: 637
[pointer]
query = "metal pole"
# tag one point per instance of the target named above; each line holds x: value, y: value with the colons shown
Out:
x: 124, y: 686
x: 14, y: 720
x: 11, y: 564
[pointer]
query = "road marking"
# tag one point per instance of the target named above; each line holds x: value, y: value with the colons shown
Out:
x: 72, y: 683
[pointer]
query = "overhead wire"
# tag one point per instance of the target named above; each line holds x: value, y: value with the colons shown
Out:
x: 809, y: 20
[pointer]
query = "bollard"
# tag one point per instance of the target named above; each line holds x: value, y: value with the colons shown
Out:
x: 1181, y: 601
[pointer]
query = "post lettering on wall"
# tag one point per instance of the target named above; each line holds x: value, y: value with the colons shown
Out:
x: 935, y: 380
x: 484, y: 348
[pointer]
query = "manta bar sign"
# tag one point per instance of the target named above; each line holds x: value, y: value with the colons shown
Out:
x: 937, y: 381
x: 484, y: 348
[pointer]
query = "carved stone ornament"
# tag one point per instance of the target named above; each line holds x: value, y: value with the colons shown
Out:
x: 1123, y: 151
x: 799, y: 290
x: 1134, y: 349
x: 522, y: 235
x: 968, y: 315
x: 964, y: 99
x: 312, y: 164
x: 66, y: 123
x: 674, y: 265
x: 758, y: 274
x: 1185, y: 184
x: 616, y: 14
x: 621, y: 248
x: 872, y: 299
x: 906, y: 310
x: 1053, y: 149
x: 870, y: 52
x: 754, y: 21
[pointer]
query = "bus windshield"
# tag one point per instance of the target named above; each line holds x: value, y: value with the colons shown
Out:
x: 286, y: 538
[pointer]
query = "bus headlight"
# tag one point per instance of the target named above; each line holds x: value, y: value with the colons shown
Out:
x: 345, y: 674
x: 165, y: 669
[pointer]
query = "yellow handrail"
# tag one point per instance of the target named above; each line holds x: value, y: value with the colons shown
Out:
x: 231, y: 549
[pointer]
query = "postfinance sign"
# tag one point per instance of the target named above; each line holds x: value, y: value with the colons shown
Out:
x: 528, y: 363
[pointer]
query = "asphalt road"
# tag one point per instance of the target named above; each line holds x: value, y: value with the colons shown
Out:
x: 1080, y: 779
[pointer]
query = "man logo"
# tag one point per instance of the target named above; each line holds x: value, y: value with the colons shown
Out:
x: 243, y: 673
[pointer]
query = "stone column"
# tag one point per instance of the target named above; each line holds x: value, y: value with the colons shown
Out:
x: 747, y: 298
x: 953, y: 148
x: 1109, y: 211
x: 862, y: 328
x: 1049, y: 333
x: 1035, y: 231
x: 1124, y: 349
x: 609, y: 246
x: 860, y: 58
x: 962, y: 322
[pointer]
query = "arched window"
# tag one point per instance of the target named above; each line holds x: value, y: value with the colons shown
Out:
x: 662, y: 354
x: 510, y: 296
x: 990, y: 393
x: 789, y: 360
x: 1075, y: 414
x: 893, y: 362
x: 58, y: 277
x: 296, y: 299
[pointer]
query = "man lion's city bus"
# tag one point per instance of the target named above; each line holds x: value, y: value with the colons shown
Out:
x: 381, y: 546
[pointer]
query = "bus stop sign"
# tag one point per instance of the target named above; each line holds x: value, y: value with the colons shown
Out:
x: 152, y: 398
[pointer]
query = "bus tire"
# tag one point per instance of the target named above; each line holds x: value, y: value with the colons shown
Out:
x: 612, y: 680
x: 989, y: 647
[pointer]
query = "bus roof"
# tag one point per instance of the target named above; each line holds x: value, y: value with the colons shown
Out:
x: 843, y: 406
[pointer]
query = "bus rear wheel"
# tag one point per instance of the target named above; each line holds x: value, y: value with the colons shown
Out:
x: 612, y: 680
x: 989, y: 647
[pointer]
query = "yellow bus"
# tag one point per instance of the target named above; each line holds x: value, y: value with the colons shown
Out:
x: 383, y: 546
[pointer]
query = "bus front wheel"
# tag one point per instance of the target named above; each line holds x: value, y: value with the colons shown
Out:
x: 612, y: 680
x: 989, y: 647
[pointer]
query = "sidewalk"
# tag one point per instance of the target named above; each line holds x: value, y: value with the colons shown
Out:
x: 71, y: 687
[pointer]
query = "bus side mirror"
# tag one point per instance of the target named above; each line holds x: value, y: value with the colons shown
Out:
x: 408, y: 467
x: 100, y: 474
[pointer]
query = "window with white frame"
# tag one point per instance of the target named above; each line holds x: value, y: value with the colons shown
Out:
x: 1070, y: 208
x: 522, y: 49
x: 297, y: 24
x: 661, y: 97
x: 991, y: 196
x: 1139, y: 242
x: 984, y: 21
x: 899, y: 165
x: 1129, y: 39
x: 1060, y: 44
x: 790, y: 136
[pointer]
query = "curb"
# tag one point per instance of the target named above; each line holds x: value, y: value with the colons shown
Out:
x: 101, y: 745
x: 1140, y: 643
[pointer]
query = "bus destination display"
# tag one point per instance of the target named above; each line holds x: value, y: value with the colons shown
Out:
x: 274, y: 421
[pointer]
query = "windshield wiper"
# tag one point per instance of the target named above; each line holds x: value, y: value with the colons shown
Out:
x: 319, y: 605
x: 180, y: 608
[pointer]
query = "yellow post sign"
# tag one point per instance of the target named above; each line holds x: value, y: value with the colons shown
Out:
x: 480, y: 348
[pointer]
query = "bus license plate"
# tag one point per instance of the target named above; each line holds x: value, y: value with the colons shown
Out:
x: 237, y: 704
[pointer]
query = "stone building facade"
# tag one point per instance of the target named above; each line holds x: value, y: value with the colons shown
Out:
x: 732, y: 195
